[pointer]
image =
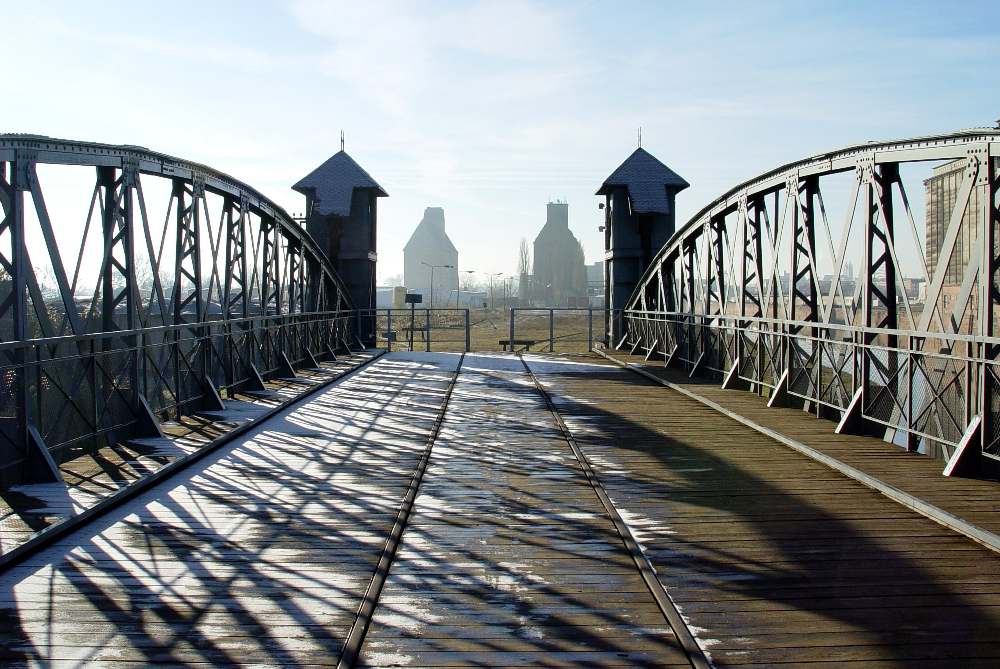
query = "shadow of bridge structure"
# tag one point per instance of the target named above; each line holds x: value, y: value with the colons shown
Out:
x: 262, y: 552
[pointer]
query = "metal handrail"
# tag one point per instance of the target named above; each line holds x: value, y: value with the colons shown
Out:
x: 166, y: 329
x: 840, y: 327
x: 682, y: 319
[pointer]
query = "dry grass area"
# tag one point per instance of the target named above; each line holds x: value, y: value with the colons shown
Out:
x: 487, y: 327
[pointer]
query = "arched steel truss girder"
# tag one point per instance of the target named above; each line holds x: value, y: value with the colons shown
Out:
x: 739, y: 291
x: 226, y: 291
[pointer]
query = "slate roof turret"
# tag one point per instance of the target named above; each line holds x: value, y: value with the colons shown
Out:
x: 332, y: 184
x: 647, y: 180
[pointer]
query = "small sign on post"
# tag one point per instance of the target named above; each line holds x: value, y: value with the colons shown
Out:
x: 413, y: 299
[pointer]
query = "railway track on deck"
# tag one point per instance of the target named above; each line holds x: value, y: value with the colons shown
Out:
x: 356, y: 637
x: 663, y: 600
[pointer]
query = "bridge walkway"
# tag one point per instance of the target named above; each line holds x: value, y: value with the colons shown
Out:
x: 509, y: 559
x: 972, y: 502
x: 268, y: 551
x: 772, y: 557
x: 260, y: 553
x: 92, y: 477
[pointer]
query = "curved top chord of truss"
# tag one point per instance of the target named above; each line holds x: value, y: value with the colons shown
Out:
x: 122, y: 167
x: 868, y: 161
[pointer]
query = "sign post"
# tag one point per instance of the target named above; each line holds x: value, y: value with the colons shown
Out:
x: 413, y: 299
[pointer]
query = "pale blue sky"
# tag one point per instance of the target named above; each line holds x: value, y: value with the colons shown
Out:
x: 492, y: 109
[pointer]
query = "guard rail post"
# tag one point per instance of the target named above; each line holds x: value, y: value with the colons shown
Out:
x: 427, y: 330
x: 468, y: 336
x: 552, y: 324
x: 511, y: 340
x: 590, y: 329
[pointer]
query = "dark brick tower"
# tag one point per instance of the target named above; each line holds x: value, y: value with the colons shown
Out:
x: 341, y: 201
x: 638, y: 220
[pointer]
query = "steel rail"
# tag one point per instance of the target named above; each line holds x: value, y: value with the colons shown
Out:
x: 351, y: 652
x: 682, y: 320
x: 36, y: 344
x: 301, y: 318
x: 680, y: 316
x: 694, y: 652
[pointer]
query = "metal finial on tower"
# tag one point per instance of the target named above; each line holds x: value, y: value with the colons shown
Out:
x: 639, y: 136
x: 341, y: 140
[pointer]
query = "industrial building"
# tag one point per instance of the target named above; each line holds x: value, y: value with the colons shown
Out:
x: 941, y: 191
x: 559, y: 278
x: 429, y: 256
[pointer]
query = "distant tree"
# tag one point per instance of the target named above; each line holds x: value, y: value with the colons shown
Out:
x: 394, y: 280
x: 523, y: 270
x: 47, y: 283
x: 143, y: 277
x: 524, y: 258
x: 167, y: 280
x: 578, y: 281
x: 474, y: 284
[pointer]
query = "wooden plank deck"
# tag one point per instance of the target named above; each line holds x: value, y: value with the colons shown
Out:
x: 258, y: 554
x: 773, y: 558
x: 509, y: 559
x: 93, y: 476
x: 974, y: 500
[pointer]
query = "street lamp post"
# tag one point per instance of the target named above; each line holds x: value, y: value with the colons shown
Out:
x: 433, y: 267
x: 459, y: 298
x: 492, y: 301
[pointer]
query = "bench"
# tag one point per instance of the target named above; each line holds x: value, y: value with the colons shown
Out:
x: 526, y: 343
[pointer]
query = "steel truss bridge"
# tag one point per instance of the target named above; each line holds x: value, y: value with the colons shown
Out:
x: 739, y: 292
x: 203, y: 466
x: 218, y: 291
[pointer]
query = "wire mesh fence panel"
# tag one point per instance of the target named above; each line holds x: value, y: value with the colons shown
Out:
x: 557, y: 330
x: 991, y: 408
x: 530, y: 330
x: 572, y: 331
x: 444, y: 330
x: 802, y: 367
x: 448, y: 330
x: 938, y: 399
x: 836, y: 373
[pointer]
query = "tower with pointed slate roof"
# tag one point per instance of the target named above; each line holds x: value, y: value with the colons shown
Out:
x: 638, y: 221
x: 341, y: 201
